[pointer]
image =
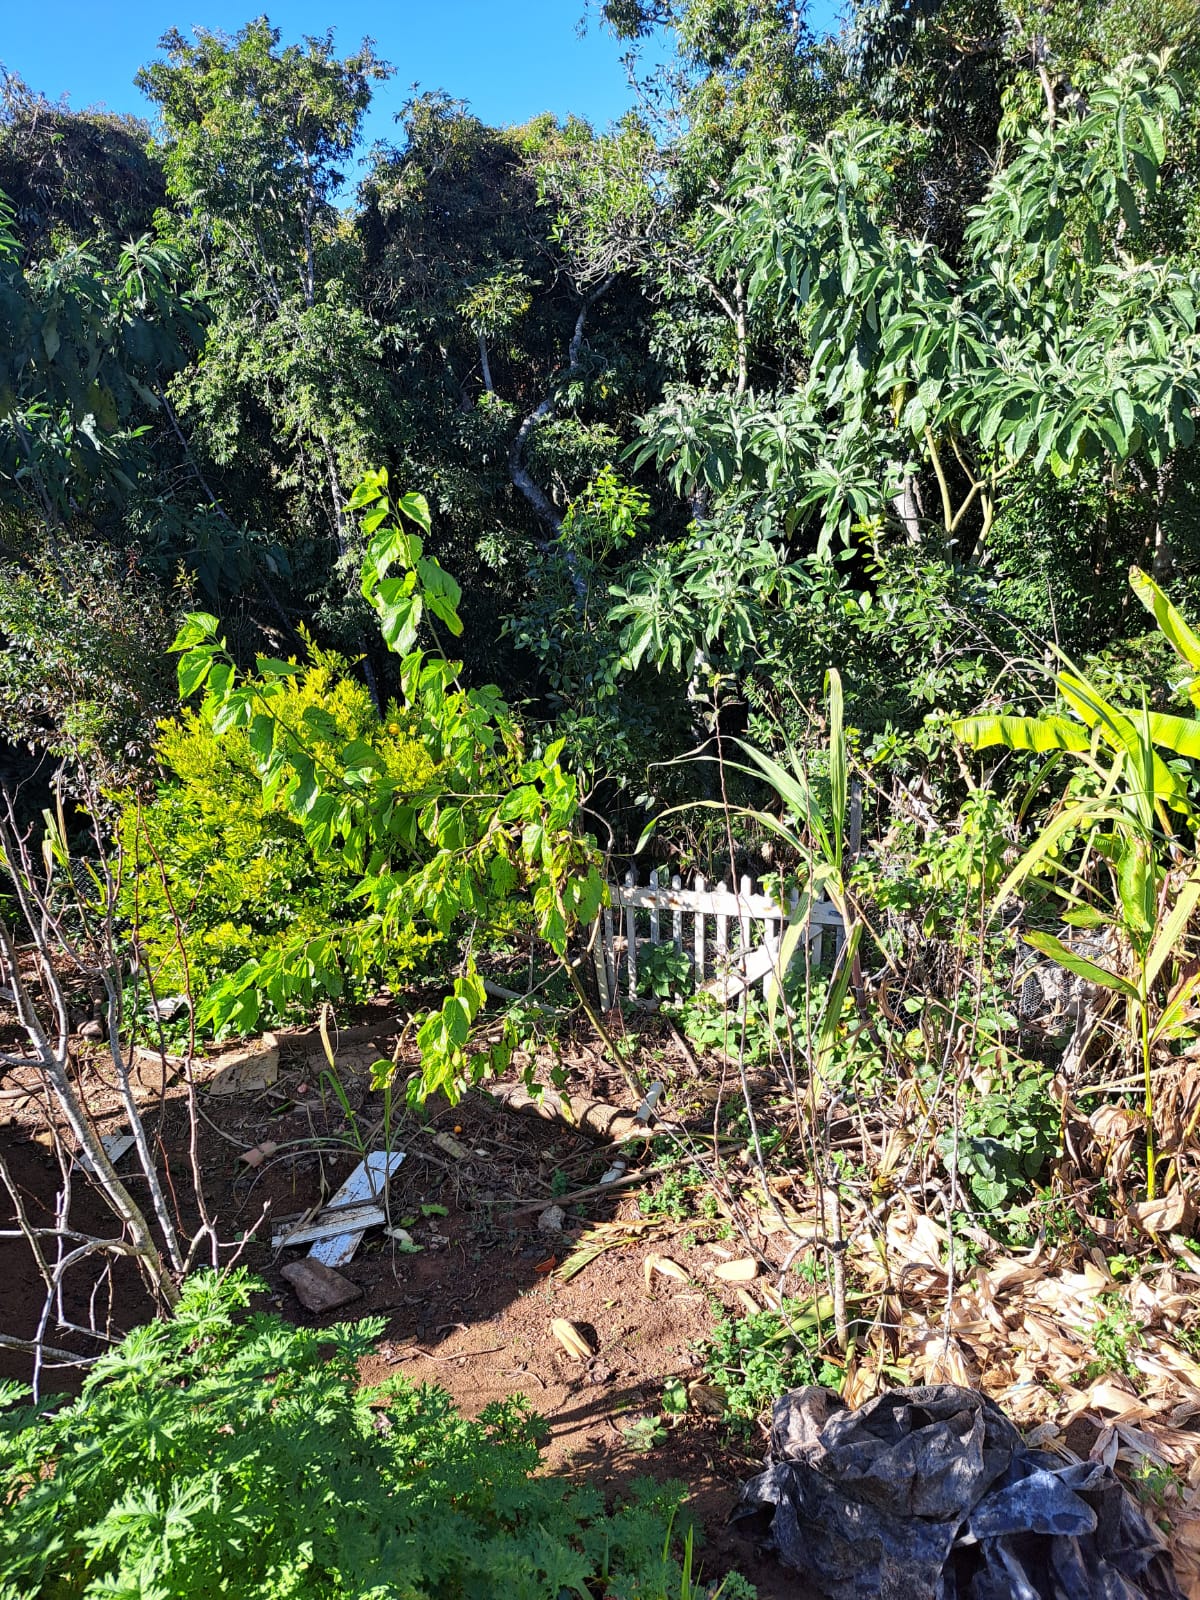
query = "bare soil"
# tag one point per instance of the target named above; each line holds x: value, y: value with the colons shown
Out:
x: 472, y: 1310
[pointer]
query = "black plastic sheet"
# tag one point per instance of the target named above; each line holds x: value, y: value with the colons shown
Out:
x: 931, y: 1494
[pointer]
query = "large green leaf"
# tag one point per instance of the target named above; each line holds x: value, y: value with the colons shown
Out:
x: 1153, y: 781
x: 1172, y: 625
x: 835, y: 999
x: 1079, y: 965
x: 1137, y: 886
x: 1179, y: 735
x: 795, y: 793
x: 1083, y: 817
x: 1041, y: 734
x: 797, y: 929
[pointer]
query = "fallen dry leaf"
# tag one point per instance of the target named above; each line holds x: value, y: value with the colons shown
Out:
x: 748, y: 1303
x: 571, y: 1339
x: 706, y: 1398
x: 664, y: 1265
x: 259, y: 1154
x: 744, y: 1270
x: 1170, y: 1213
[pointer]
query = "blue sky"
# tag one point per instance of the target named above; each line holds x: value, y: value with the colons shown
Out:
x: 511, y: 59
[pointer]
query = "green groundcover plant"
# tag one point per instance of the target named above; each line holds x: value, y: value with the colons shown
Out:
x: 226, y: 1453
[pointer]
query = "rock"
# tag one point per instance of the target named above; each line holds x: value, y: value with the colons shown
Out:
x: 319, y: 1288
x: 244, y: 1071
x: 552, y: 1219
x: 92, y: 1030
x: 452, y: 1146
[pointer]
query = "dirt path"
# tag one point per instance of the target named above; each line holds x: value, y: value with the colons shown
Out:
x: 472, y: 1309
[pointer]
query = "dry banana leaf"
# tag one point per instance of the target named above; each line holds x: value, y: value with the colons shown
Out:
x: 571, y: 1339
x: 744, y: 1270
x: 600, y: 1237
x: 663, y: 1265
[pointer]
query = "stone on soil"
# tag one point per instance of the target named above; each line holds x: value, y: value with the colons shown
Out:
x: 318, y: 1287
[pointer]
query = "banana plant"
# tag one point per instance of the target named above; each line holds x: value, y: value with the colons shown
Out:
x: 1148, y: 889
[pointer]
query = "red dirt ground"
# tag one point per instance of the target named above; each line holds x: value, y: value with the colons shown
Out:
x: 472, y: 1311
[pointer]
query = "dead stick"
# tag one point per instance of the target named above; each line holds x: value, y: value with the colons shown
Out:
x: 592, y: 1189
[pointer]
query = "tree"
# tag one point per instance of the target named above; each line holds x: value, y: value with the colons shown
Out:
x: 78, y: 175
x: 85, y: 350
x: 286, y: 397
x: 517, y: 352
x: 926, y: 394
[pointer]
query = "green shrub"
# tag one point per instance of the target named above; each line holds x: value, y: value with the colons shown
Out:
x: 1005, y: 1139
x: 753, y: 1360
x: 487, y: 841
x: 84, y: 670
x: 221, y: 1454
x: 236, y: 867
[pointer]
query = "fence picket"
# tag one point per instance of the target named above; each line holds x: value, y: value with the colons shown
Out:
x: 772, y: 938
x: 747, y: 963
x: 698, y: 934
x: 600, y: 956
x: 745, y: 894
x: 631, y: 937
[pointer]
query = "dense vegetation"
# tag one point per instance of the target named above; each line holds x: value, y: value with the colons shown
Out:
x: 252, y: 1462
x: 374, y: 558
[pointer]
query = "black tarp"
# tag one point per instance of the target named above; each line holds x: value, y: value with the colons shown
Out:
x: 931, y: 1494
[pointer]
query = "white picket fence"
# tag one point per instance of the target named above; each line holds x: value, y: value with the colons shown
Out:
x: 742, y: 947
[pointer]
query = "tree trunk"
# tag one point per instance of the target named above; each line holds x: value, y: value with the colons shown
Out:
x: 519, y: 473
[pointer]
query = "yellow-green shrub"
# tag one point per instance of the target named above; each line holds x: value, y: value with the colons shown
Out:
x: 211, y: 860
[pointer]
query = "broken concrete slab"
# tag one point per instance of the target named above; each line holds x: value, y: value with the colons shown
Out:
x: 244, y: 1071
x: 318, y: 1288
